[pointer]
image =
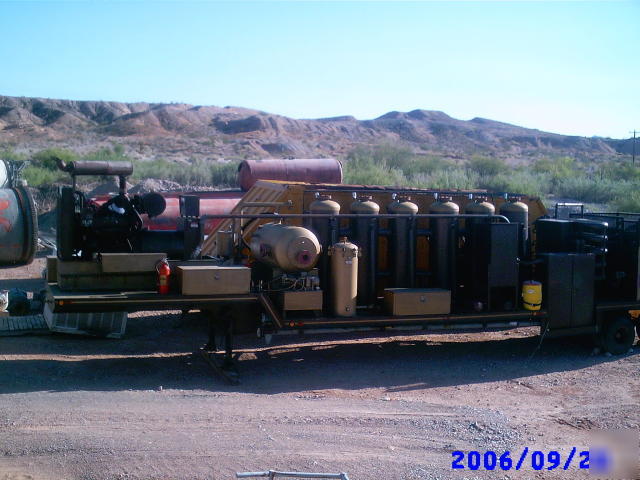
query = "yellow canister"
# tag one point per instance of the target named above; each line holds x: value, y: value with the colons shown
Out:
x: 531, y: 295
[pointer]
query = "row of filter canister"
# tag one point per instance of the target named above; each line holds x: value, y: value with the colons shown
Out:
x: 348, y: 273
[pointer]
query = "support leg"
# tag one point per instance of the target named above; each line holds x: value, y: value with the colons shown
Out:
x: 221, y: 323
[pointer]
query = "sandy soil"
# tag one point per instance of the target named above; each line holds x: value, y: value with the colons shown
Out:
x: 376, y: 407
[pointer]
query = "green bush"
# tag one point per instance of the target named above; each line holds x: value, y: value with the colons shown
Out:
x: 197, y: 173
x: 393, y: 156
x: 487, y: 166
x: 628, y: 202
x: 10, y: 155
x: 427, y: 165
x: 364, y: 171
x: 589, y: 190
x: 447, y: 179
x: 620, y: 171
x: 40, y: 176
x: 516, y: 181
x: 47, y: 158
x: 558, y: 169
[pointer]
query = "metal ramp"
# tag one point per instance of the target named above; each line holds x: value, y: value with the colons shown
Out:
x: 98, y: 324
x: 267, y: 193
x: 23, y: 325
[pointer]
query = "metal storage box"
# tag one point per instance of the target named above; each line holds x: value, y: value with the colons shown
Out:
x: 417, y: 301
x: 78, y: 275
x: 308, y: 300
x: 130, y: 262
x: 213, y: 280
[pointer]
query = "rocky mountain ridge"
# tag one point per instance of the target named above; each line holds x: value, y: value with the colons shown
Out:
x: 181, y: 132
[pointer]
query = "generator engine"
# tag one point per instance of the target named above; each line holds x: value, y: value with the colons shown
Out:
x: 86, y: 227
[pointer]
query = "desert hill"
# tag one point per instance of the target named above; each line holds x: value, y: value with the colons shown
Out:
x: 181, y: 131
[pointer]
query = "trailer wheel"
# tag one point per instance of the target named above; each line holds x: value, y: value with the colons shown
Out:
x: 618, y: 335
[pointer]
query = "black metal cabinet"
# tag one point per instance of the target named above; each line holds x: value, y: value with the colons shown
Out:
x: 568, y: 289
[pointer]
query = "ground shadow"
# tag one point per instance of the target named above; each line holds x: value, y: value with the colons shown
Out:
x: 402, y: 364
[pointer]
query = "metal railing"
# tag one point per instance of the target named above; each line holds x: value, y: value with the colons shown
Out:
x: 276, y: 473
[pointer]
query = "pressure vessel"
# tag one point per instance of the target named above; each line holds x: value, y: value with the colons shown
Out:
x: 518, y: 212
x: 287, y: 247
x: 322, y: 226
x: 344, y: 278
x: 18, y: 226
x: 403, y: 241
x: 515, y: 211
x: 442, y: 243
x: 310, y: 170
x: 364, y: 232
x: 480, y: 206
x: 326, y: 230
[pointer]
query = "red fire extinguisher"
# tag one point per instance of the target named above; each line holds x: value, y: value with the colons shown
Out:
x: 164, y: 271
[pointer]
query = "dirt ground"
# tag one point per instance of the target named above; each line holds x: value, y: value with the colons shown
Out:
x: 375, y: 407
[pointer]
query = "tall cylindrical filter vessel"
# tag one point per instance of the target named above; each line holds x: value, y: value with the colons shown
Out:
x: 442, y: 243
x: 326, y: 230
x: 518, y: 212
x: 480, y: 206
x: 403, y: 241
x: 364, y: 232
x: 344, y: 278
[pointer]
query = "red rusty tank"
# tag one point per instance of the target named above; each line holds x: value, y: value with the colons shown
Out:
x: 311, y: 170
x: 211, y: 203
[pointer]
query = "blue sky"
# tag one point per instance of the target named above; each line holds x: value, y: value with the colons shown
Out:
x: 567, y: 67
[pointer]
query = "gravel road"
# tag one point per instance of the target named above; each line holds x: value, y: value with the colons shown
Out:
x: 376, y: 407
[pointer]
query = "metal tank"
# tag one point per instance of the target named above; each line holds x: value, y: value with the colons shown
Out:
x: 326, y: 230
x: 403, y: 241
x: 442, y: 243
x: 364, y: 232
x: 18, y: 226
x: 211, y: 204
x: 344, y: 278
x: 310, y: 170
x: 479, y: 206
x: 518, y: 212
x: 287, y: 247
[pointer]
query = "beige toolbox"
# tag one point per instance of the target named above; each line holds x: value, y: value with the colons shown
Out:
x: 81, y: 275
x: 307, y: 300
x: 417, y: 301
x: 130, y: 262
x: 213, y: 280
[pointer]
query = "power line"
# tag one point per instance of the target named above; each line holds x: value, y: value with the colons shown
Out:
x: 633, y: 147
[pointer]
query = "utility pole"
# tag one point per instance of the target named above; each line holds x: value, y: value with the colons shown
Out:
x: 633, y: 147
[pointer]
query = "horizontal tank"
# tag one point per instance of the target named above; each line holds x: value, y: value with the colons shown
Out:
x: 287, y: 247
x: 18, y: 226
x: 211, y: 203
x: 309, y: 170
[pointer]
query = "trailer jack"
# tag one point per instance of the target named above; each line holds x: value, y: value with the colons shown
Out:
x: 226, y: 367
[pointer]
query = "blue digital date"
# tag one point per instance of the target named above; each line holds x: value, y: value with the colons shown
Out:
x: 597, y: 460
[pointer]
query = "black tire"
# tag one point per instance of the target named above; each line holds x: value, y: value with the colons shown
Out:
x: 638, y: 330
x: 618, y: 335
x: 65, y: 223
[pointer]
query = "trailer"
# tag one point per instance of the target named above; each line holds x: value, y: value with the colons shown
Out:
x: 296, y: 257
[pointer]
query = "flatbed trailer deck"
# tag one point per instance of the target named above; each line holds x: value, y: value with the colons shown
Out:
x: 78, y: 302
